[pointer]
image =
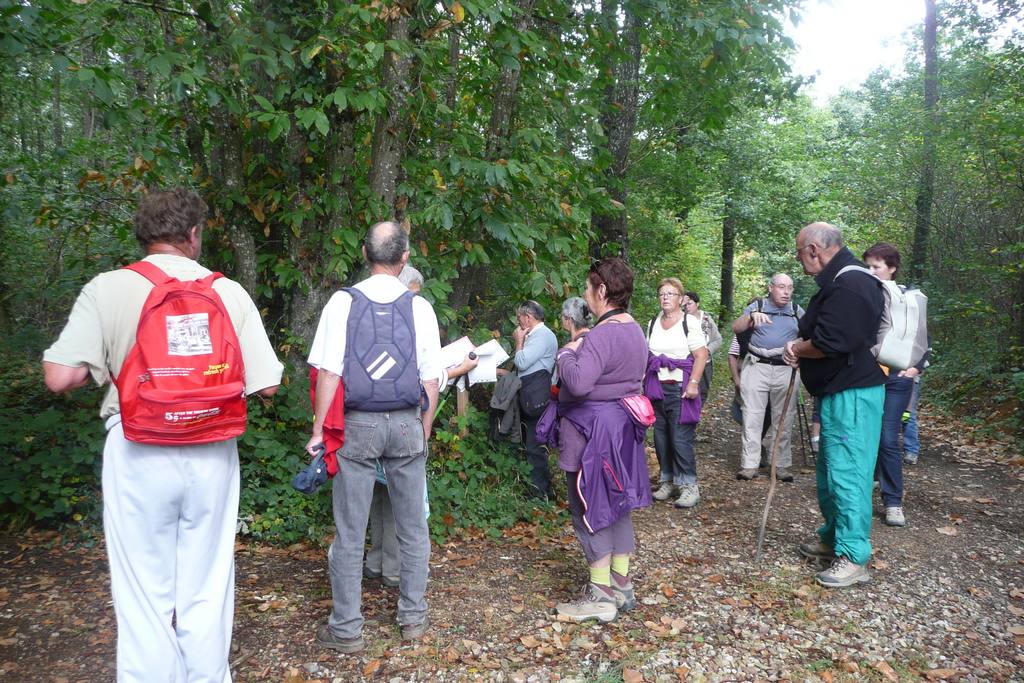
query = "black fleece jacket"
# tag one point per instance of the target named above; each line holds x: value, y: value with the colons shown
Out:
x: 842, y: 321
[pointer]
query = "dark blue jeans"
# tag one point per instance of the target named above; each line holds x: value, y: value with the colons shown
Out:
x: 889, y: 470
x: 673, y: 442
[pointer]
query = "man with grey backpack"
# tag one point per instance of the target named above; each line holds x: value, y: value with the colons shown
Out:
x: 383, y: 342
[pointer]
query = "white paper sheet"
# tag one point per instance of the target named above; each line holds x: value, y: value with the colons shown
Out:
x: 490, y: 356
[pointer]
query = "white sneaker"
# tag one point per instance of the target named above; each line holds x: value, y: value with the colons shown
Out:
x: 843, y: 573
x: 689, y: 495
x: 665, y: 491
x: 894, y: 516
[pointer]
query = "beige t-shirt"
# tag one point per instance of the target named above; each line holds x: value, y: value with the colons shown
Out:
x: 101, y: 328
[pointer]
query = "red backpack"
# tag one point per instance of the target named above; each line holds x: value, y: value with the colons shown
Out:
x: 183, y: 380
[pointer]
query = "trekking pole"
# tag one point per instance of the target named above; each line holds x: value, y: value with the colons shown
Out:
x: 805, y: 428
x: 775, y: 452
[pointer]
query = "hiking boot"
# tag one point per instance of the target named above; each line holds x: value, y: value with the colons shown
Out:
x: 784, y: 474
x: 910, y: 458
x: 415, y: 631
x: 390, y: 581
x: 689, y: 496
x: 625, y: 598
x: 370, y: 573
x: 593, y: 604
x: 665, y: 491
x: 817, y: 551
x: 746, y: 475
x: 325, y: 637
x: 843, y: 573
x: 894, y: 516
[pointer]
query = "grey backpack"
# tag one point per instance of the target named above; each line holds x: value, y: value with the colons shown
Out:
x: 380, y: 372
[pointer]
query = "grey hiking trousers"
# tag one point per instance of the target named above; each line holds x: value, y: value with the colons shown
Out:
x: 396, y: 438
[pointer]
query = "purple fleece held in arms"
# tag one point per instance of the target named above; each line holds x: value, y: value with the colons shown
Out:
x: 689, y: 412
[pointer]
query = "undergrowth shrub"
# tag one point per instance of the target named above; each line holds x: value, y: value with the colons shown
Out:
x: 53, y: 452
x: 52, y: 447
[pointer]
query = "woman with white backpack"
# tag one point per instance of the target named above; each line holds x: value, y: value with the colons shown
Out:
x: 884, y: 261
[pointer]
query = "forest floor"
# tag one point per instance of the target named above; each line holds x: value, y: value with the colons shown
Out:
x: 946, y: 600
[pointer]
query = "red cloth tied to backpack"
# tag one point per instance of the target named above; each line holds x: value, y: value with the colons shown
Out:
x: 334, y: 422
x: 183, y: 381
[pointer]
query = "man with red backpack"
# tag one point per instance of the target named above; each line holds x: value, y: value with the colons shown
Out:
x: 181, y: 347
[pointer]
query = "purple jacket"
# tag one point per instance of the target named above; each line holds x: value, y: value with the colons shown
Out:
x: 689, y: 413
x: 613, y: 476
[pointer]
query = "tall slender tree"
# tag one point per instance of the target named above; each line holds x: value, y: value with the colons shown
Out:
x: 926, y: 180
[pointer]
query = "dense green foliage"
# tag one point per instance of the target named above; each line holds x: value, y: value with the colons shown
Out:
x: 512, y: 138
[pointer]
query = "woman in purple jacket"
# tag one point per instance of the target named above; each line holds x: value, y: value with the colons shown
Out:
x: 601, y: 443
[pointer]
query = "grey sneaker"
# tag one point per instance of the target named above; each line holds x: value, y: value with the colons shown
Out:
x: 784, y: 474
x: 910, y: 458
x: 593, y: 604
x: 665, y: 491
x: 415, y: 631
x: 894, y: 516
x: 746, y: 475
x: 689, y: 496
x: 843, y: 573
x: 625, y: 598
x: 325, y: 637
x: 817, y: 551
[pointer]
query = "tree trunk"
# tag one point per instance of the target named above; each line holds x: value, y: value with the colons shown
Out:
x: 58, y: 114
x: 505, y: 95
x: 474, y: 279
x: 926, y: 182
x: 728, y: 254
x: 451, y: 96
x: 389, y: 132
x: 618, y: 118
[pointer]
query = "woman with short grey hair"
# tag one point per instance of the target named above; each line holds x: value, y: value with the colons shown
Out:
x: 575, y: 317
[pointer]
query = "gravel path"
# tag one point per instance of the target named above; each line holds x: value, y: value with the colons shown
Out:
x: 946, y: 601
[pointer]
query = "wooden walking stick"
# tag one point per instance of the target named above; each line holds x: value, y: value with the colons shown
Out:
x: 775, y: 452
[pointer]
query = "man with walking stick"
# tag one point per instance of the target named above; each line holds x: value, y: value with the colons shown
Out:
x: 836, y: 364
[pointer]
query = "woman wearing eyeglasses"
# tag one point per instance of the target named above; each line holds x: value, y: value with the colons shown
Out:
x: 677, y: 356
x: 600, y: 421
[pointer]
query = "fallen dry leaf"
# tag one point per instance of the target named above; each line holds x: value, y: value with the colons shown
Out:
x: 682, y: 672
x: 826, y: 676
x: 529, y: 641
x: 879, y: 564
x: 632, y: 676
x: 1016, y: 611
x: 668, y: 591
x: 940, y: 674
x: 1016, y: 630
x: 948, y: 530
x: 983, y: 501
x: 371, y: 667
x: 887, y: 671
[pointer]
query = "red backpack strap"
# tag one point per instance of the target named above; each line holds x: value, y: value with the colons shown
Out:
x: 150, y: 272
x: 208, y: 280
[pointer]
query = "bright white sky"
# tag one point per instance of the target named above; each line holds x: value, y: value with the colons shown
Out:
x: 842, y: 41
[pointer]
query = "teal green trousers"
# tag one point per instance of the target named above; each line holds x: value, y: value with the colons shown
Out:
x: 851, y: 423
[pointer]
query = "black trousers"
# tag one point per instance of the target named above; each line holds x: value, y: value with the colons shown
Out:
x: 537, y: 457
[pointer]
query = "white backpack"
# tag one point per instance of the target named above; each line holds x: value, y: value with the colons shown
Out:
x: 903, y: 333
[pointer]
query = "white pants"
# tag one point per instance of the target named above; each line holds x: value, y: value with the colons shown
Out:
x: 759, y: 383
x: 169, y: 516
